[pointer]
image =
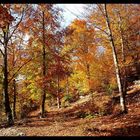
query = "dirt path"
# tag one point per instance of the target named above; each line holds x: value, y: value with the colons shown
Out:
x: 58, y: 125
x: 64, y: 122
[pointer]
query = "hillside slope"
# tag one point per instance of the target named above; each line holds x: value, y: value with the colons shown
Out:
x: 66, y: 122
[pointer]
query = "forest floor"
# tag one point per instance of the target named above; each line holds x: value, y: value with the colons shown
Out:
x: 63, y: 122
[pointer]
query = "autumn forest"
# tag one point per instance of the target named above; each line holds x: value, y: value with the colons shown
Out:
x: 80, y: 79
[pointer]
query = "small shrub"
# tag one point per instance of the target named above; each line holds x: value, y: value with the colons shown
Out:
x: 66, y: 100
x: 89, y: 116
x: 27, y: 108
x: 102, y: 104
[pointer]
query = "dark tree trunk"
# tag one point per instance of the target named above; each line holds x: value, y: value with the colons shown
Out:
x: 44, y: 70
x: 88, y: 68
x: 5, y: 84
x: 14, y: 90
x: 43, y: 104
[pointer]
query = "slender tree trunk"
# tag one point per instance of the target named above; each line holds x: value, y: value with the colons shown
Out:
x: 87, y: 68
x: 58, y: 98
x: 88, y: 75
x: 14, y: 90
x: 58, y: 102
x: 137, y: 65
x: 5, y: 84
x: 124, y: 84
x: 122, y: 97
x: 43, y: 104
x: 15, y: 96
x: 44, y: 69
x: 67, y: 87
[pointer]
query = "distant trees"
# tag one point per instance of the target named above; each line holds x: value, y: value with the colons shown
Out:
x: 81, y: 46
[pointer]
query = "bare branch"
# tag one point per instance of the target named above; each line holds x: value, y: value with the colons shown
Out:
x: 17, y: 24
x: 101, y: 10
x: 1, y: 52
x: 19, y: 69
x: 101, y: 30
x: 1, y: 65
x: 1, y: 42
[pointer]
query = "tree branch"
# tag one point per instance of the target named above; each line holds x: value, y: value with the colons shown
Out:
x: 1, y: 65
x: 19, y: 70
x: 17, y: 24
x: 1, y: 42
x: 1, y: 52
x: 101, y: 10
x: 101, y: 30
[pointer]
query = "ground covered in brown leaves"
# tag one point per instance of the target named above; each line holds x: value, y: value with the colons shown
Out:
x: 65, y: 122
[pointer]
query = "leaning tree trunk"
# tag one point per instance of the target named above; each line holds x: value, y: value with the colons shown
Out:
x: 118, y: 76
x: 5, y: 84
x: 44, y: 70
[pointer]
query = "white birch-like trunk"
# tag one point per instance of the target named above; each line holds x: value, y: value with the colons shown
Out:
x: 118, y: 76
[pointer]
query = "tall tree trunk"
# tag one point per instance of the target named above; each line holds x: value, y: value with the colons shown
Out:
x: 124, y: 81
x: 44, y: 69
x: 5, y: 84
x: 14, y: 90
x: 118, y: 75
x: 58, y: 98
x: 15, y: 96
x: 137, y: 64
x: 87, y: 67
